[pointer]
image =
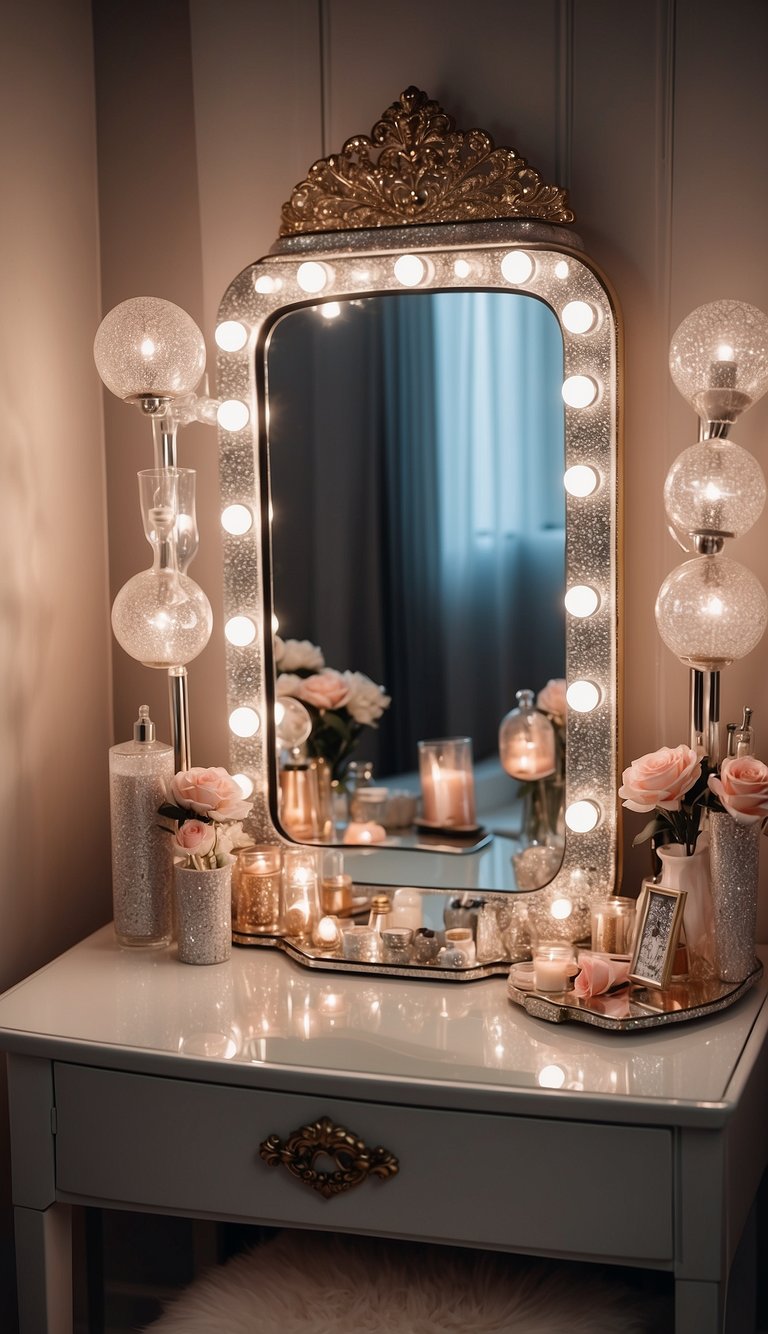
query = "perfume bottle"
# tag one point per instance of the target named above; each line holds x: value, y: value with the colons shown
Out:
x: 142, y: 855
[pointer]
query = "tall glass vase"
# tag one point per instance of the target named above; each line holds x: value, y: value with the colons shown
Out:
x: 691, y: 873
x: 734, y: 861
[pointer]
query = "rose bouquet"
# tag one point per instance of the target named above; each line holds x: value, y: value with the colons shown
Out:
x: 671, y: 782
x: 207, y: 808
x: 340, y: 704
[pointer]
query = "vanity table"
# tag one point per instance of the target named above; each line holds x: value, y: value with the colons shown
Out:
x: 138, y: 1083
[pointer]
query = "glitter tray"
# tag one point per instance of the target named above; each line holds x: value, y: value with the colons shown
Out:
x: 636, y: 1007
x: 309, y: 957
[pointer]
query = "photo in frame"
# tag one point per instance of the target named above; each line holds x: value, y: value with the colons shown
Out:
x: 659, y: 921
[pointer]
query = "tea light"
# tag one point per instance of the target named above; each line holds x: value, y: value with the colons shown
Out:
x: 613, y: 926
x: 359, y: 943
x: 553, y: 967
x: 326, y: 934
x: 364, y: 832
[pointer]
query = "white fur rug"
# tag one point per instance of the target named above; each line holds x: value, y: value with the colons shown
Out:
x: 322, y: 1283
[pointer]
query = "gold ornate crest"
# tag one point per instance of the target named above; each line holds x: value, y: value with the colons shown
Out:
x: 426, y: 172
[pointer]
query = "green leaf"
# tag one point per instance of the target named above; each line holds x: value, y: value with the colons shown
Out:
x: 653, y: 827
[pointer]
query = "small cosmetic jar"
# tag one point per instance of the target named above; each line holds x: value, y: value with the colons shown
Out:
x: 396, y: 944
x: 426, y: 945
x: 460, y: 938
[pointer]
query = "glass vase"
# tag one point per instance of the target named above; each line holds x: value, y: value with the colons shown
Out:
x: 734, y: 851
x: 691, y: 873
x: 203, y: 902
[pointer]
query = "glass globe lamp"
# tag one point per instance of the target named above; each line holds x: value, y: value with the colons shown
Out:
x: 147, y: 348
x: 714, y: 488
x: 293, y: 723
x: 711, y: 611
x: 162, y: 618
x: 718, y: 358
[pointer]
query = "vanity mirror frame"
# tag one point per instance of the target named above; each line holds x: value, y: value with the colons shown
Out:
x: 540, y: 259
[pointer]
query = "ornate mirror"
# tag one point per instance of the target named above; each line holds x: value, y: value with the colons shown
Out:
x: 322, y: 358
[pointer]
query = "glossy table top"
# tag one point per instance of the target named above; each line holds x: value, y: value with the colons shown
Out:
x: 264, y: 1021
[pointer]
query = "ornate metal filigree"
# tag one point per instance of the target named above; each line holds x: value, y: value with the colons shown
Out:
x: 355, y: 1162
x: 426, y: 172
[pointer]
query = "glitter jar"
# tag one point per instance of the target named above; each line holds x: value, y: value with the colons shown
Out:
x: 142, y: 854
x: 203, y: 901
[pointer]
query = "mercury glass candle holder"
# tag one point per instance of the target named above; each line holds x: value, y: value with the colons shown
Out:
x: 256, y: 891
x: 300, y: 896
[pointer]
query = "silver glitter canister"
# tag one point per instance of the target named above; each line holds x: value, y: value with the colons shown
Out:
x: 203, y: 901
x: 734, y: 851
x: 142, y: 857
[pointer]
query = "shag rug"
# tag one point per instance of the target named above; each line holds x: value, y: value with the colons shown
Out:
x: 322, y: 1283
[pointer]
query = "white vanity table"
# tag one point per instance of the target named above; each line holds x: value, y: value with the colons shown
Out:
x: 137, y: 1082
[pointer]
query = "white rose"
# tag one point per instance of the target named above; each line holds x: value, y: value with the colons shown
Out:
x: 366, y: 701
x: 293, y: 655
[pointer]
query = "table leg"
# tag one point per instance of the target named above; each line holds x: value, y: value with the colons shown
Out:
x: 44, y: 1269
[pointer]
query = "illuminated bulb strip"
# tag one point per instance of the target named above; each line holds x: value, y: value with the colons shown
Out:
x: 579, y: 391
x: 233, y: 414
x: 231, y: 336
x: 266, y: 285
x: 244, y: 722
x: 582, y: 816
x: 561, y: 909
x: 237, y: 519
x: 462, y: 268
x: 581, y: 480
x: 581, y: 600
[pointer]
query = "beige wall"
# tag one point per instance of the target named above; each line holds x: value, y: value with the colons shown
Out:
x: 55, y: 696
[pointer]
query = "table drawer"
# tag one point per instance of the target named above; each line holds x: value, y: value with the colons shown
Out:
x: 494, y: 1180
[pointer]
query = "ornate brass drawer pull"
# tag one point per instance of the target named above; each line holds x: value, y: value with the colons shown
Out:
x: 354, y: 1160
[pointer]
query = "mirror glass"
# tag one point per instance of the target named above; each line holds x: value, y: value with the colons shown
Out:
x: 416, y: 445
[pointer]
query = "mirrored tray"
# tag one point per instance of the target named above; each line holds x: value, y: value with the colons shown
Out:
x: 309, y: 957
x: 635, y: 1007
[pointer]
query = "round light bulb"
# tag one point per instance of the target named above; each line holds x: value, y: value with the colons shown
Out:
x: 579, y: 391
x: 410, y: 270
x: 237, y: 519
x: 561, y: 909
x: 581, y: 480
x: 240, y: 630
x: 714, y: 487
x: 293, y: 723
x: 517, y: 266
x: 311, y: 276
x: 561, y: 269
x: 718, y: 358
x: 245, y: 784
x: 162, y: 618
x: 244, y: 722
x: 711, y: 611
x: 231, y: 335
x: 265, y: 284
x: 581, y: 600
x: 583, y: 696
x: 462, y: 268
x: 579, y: 317
x: 582, y: 816
x: 149, y: 348
x: 233, y: 414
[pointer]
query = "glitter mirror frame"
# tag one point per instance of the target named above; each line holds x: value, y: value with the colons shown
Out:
x: 466, y: 256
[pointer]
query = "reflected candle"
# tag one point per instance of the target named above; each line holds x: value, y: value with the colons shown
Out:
x: 447, y: 782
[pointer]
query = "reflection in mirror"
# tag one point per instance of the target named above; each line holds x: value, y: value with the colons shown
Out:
x: 418, y: 508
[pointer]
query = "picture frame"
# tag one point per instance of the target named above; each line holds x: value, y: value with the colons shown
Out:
x: 659, y: 921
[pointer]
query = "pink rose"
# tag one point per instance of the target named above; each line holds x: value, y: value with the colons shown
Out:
x: 210, y: 792
x: 599, y: 974
x: 325, y: 690
x: 552, y: 700
x: 660, y: 779
x: 195, y: 839
x: 742, y: 788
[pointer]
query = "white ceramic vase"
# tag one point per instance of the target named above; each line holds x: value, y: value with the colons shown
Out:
x: 691, y: 873
x: 203, y: 902
x: 734, y: 863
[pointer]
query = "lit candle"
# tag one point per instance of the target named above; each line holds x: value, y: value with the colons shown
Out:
x: 327, y: 934
x: 553, y: 967
x: 364, y: 832
x: 449, y: 796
